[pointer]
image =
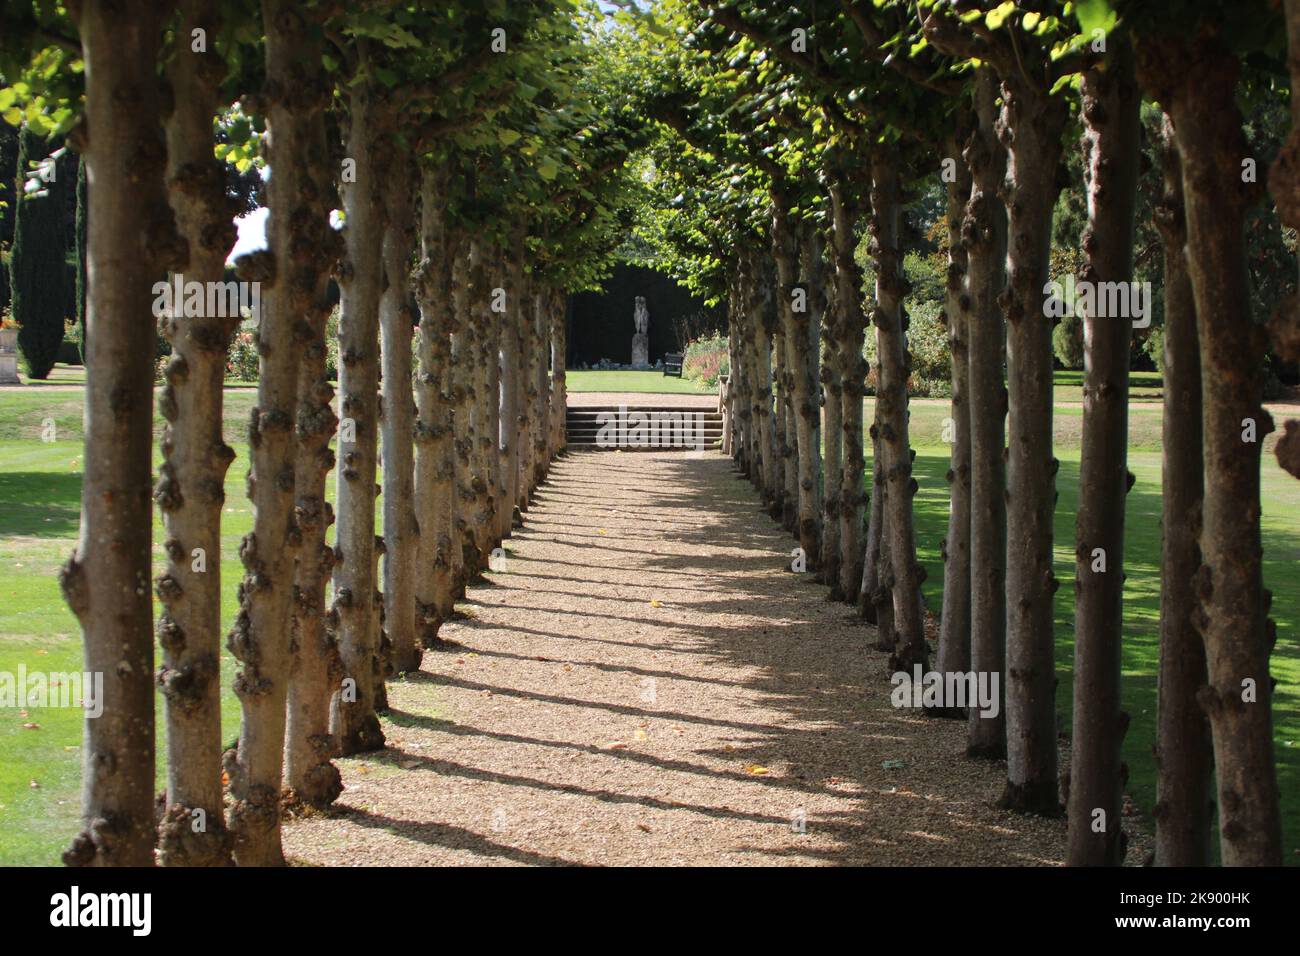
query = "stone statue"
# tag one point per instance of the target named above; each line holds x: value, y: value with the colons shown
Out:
x: 641, y: 339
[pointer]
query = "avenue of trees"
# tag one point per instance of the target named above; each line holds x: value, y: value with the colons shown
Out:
x: 488, y: 157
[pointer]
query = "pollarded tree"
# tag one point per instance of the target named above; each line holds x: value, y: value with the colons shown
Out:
x: 1111, y: 102
x: 1184, y: 809
x: 190, y: 487
x: 363, y: 184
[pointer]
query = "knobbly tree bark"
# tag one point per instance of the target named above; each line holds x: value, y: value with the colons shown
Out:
x: 401, y: 526
x: 906, y: 573
x: 851, y: 324
x: 467, y: 376
x: 1233, y: 616
x: 355, y: 722
x: 190, y: 488
x: 438, y: 547
x: 485, y: 428
x: 131, y: 241
x: 832, y: 377
x: 559, y: 356
x: 766, y: 423
x: 954, y: 623
x: 260, y: 638
x: 984, y: 237
x: 1183, y: 810
x: 1031, y: 127
x: 1111, y: 138
x: 803, y: 418
x: 539, y: 395
x: 509, y: 325
x: 869, y: 590
x: 316, y: 670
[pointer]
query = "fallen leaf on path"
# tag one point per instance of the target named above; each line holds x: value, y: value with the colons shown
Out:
x: 892, y: 764
x: 756, y: 770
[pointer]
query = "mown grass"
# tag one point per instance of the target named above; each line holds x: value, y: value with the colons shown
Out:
x: 647, y: 382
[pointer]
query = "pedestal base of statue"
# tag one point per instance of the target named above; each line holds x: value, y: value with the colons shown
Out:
x: 641, y: 351
x: 9, y: 369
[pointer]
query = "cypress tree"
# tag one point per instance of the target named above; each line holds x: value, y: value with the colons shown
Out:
x: 37, y: 274
x: 80, y: 241
x: 8, y: 198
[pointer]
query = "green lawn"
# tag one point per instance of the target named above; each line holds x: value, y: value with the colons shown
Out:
x: 596, y: 381
x: 1142, y: 386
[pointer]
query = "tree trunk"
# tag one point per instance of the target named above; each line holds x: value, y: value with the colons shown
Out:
x: 316, y: 669
x: 540, y: 390
x: 871, y: 561
x: 768, y: 417
x: 131, y: 241
x: 435, y: 456
x: 803, y: 417
x: 1183, y: 810
x: 510, y: 363
x: 261, y: 637
x: 851, y: 321
x: 190, y: 488
x: 832, y: 377
x: 485, y: 430
x: 1233, y: 617
x: 954, y: 623
x: 355, y: 721
x: 984, y: 236
x: 559, y: 356
x: 891, y: 404
x: 1097, y: 776
x: 401, y: 526
x: 465, y: 377
x: 1032, y: 126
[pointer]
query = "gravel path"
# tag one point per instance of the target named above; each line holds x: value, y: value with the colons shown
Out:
x: 645, y: 683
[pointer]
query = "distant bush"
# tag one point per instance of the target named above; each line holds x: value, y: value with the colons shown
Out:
x: 1067, y: 342
x: 927, y: 344
x: 242, y: 363
x: 706, y: 360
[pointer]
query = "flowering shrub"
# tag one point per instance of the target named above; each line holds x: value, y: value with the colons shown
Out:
x: 242, y: 363
x: 706, y: 360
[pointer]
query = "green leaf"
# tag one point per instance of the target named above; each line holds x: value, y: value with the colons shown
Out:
x: 507, y: 136
x: 998, y: 15
x: 1094, y: 15
x: 13, y: 116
